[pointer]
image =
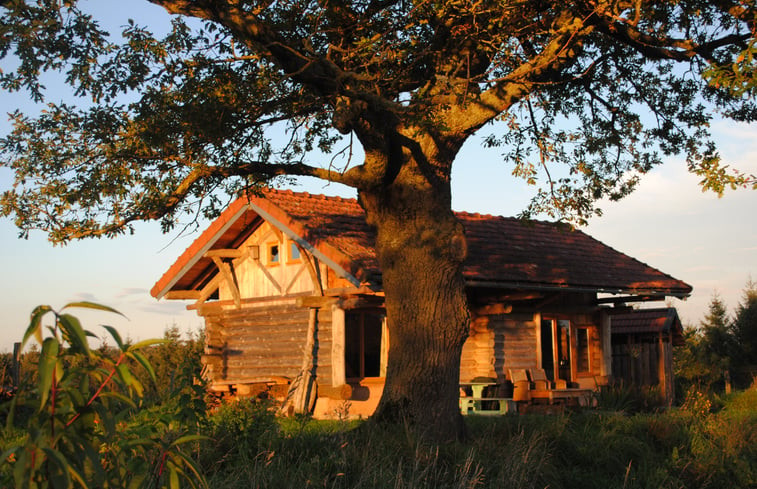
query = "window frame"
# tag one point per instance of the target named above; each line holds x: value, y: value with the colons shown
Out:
x: 362, y: 313
x: 292, y: 245
x: 270, y: 262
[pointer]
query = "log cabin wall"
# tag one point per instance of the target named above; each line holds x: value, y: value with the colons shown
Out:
x: 497, y: 343
x: 264, y: 335
x: 258, y: 342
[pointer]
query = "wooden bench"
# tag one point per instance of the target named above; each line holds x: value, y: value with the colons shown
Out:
x: 546, y: 389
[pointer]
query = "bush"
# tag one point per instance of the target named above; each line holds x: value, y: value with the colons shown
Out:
x: 78, y: 432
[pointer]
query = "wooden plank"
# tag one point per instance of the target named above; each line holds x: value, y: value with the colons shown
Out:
x: 182, y: 294
x: 317, y: 301
x: 294, y: 279
x: 268, y: 275
x: 229, y: 279
x: 337, y: 346
x: 224, y: 253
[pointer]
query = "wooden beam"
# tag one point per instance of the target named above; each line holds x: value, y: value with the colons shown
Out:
x: 228, y: 277
x: 338, y: 375
x: 316, y: 301
x: 224, y: 253
x: 294, y: 279
x: 182, y: 294
x: 630, y: 298
x: 208, y: 290
x: 313, y: 268
x: 268, y: 275
x: 361, y: 301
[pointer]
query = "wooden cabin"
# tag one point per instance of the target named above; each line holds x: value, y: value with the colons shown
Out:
x: 642, y: 347
x: 290, y: 289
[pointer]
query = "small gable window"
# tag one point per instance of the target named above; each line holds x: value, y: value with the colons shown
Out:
x: 294, y: 252
x: 274, y: 254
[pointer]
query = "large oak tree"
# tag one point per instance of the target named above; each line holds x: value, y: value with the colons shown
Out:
x: 580, y: 97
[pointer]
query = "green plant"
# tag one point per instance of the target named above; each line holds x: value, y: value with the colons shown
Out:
x: 80, y: 432
x: 628, y: 398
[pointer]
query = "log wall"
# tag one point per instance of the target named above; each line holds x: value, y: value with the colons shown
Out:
x: 257, y: 342
x: 497, y: 343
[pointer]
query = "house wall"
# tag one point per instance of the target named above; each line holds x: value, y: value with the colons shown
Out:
x: 501, y: 342
x: 497, y: 343
x: 257, y: 276
x: 264, y: 341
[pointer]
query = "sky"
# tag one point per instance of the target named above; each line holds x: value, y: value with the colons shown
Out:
x: 668, y: 223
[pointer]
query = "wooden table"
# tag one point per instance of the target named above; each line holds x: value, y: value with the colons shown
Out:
x: 474, y: 404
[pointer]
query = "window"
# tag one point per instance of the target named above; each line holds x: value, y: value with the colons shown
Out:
x: 294, y: 252
x: 274, y: 256
x: 555, y: 348
x: 362, y: 344
x: 583, y: 353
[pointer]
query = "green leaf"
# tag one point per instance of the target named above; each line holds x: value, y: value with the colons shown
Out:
x: 93, y: 305
x: 142, y: 360
x: 35, y: 323
x: 47, y: 361
x: 74, y: 333
x: 121, y: 397
x: 128, y: 379
x: 116, y: 336
x: 173, y: 478
x: 188, y: 438
x: 58, y: 478
x: 145, y: 343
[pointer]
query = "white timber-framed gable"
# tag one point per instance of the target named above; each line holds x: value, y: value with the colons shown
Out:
x: 264, y: 268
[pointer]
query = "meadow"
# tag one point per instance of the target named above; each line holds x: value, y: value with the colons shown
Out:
x: 82, y: 418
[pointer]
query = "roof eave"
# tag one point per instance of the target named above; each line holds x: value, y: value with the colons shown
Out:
x: 633, y: 292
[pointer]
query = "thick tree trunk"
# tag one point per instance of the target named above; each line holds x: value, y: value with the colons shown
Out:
x: 421, y: 248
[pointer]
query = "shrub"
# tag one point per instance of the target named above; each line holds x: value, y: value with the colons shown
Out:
x: 78, y: 433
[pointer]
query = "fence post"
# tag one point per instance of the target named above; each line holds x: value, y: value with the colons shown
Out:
x: 16, y: 364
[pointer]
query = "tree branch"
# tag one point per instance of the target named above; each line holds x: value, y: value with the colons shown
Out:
x: 662, y: 48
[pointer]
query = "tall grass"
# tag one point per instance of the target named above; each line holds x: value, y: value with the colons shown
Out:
x: 679, y: 448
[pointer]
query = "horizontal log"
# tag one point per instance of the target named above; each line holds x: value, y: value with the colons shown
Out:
x: 318, y: 301
x: 284, y: 307
x: 339, y: 392
x: 245, y: 372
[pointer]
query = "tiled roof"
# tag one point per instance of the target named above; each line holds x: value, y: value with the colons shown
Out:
x: 504, y: 252
x: 641, y: 321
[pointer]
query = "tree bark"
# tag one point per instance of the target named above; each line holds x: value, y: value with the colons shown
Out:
x: 421, y: 248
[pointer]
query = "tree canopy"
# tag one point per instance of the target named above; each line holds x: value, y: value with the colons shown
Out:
x: 580, y: 98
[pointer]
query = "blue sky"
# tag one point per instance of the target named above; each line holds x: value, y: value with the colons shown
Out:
x: 667, y: 223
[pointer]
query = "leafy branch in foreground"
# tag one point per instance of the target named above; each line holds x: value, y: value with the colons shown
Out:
x: 78, y: 432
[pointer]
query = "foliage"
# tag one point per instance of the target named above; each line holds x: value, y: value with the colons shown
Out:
x: 745, y: 334
x: 628, y: 398
x: 167, y: 120
x: 79, y: 432
x: 722, y: 349
x: 688, y: 447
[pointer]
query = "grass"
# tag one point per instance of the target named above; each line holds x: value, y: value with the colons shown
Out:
x: 678, y: 448
x: 694, y: 446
